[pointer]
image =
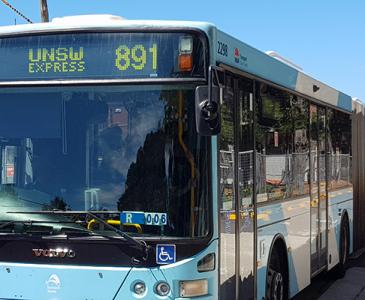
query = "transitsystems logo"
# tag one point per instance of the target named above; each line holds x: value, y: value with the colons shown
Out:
x: 236, y: 55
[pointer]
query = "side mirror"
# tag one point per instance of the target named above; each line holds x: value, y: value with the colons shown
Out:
x: 207, y: 100
x: 207, y: 114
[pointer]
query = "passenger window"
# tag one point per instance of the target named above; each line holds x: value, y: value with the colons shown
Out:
x: 339, y: 146
x: 282, y: 159
x: 299, y: 162
x: 227, y: 193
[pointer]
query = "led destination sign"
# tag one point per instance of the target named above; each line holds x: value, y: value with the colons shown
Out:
x: 97, y: 56
x: 56, y: 60
x: 70, y: 60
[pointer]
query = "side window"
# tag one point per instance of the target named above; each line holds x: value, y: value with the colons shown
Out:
x: 339, y: 146
x: 227, y: 194
x: 299, y: 162
x: 282, y: 145
x: 245, y: 164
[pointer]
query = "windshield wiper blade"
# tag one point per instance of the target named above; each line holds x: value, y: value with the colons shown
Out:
x: 140, y: 244
x: 5, y: 224
x: 31, y: 223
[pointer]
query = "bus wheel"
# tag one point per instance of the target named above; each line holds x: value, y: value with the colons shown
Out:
x: 276, y: 282
x: 344, y: 249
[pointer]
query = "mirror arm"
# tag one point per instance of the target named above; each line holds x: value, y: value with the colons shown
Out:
x: 213, y: 74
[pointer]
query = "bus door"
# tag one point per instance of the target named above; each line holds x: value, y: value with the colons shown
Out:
x: 318, y: 207
x: 235, y: 190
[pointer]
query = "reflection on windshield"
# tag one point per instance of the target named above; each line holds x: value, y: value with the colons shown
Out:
x: 128, y: 149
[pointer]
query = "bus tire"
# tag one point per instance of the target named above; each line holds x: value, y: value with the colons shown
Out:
x: 277, y: 276
x: 340, y: 269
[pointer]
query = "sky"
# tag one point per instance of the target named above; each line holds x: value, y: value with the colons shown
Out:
x: 326, y: 38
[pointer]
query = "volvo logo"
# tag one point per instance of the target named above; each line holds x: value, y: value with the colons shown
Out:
x: 53, y: 283
x: 59, y: 252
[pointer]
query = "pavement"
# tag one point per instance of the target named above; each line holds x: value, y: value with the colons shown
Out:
x: 352, y: 285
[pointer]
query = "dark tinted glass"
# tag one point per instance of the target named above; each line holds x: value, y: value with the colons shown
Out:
x: 227, y: 194
x: 282, y: 145
x: 299, y: 163
x: 113, y: 149
x: 339, y: 145
x: 100, y: 55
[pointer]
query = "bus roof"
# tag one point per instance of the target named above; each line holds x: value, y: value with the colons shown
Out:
x: 250, y: 60
x: 235, y: 53
x: 101, y: 22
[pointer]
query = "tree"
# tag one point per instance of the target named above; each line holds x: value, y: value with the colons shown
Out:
x: 57, y: 204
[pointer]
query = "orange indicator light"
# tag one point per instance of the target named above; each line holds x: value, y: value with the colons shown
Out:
x: 185, y: 62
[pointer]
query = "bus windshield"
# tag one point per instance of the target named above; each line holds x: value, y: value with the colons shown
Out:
x: 129, y: 151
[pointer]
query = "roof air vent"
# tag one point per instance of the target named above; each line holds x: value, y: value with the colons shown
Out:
x: 82, y: 19
x: 283, y: 60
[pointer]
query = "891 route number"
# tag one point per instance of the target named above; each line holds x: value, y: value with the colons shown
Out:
x: 222, y: 49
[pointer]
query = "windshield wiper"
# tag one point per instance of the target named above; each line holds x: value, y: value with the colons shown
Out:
x: 4, y: 224
x: 141, y: 245
x: 43, y: 223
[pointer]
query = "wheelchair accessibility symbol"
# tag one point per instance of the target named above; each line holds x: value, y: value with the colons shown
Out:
x: 165, y: 254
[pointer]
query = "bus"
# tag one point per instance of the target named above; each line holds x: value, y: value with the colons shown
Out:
x: 166, y: 160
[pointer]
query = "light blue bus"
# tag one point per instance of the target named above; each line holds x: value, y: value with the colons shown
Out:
x: 165, y: 160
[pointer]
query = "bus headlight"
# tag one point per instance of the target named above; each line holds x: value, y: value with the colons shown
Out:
x: 193, y: 288
x: 207, y: 263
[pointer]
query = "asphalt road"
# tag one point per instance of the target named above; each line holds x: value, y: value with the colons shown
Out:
x: 325, y: 283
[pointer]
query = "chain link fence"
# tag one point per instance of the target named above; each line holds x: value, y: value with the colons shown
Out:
x: 283, y: 176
